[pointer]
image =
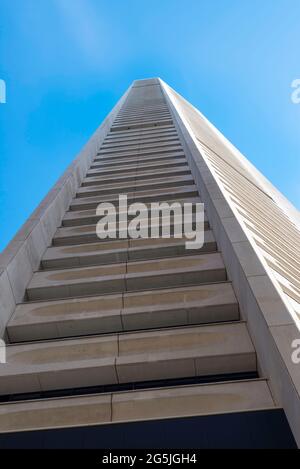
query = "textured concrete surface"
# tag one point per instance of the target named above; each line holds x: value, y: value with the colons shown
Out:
x: 136, y: 405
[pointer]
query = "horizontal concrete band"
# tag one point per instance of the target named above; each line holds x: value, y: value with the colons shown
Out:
x: 138, y: 113
x: 149, y: 195
x: 147, y: 142
x: 139, y: 142
x: 87, y: 202
x: 126, y: 276
x: 141, y: 125
x: 86, y: 233
x: 114, y: 251
x: 128, y: 357
x: 79, y: 219
x: 172, y: 162
x: 131, y: 105
x: 144, y: 135
x: 148, y: 131
x: 140, y: 149
x: 89, y: 216
x: 136, y: 406
x: 151, y: 174
x: 117, y: 188
x: 118, y: 154
x: 169, y: 166
x: 123, y: 312
x: 151, y: 118
x: 142, y: 108
x: 158, y: 116
x: 142, y: 132
x: 121, y: 160
x: 141, y: 114
x: 142, y: 163
x: 146, y: 122
x: 135, y: 146
x: 137, y: 159
x: 139, y: 166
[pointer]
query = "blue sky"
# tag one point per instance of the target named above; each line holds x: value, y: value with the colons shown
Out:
x: 66, y: 63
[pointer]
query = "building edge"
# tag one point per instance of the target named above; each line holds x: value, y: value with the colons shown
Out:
x: 270, y: 319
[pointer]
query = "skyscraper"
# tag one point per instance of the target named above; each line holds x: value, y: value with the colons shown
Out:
x: 141, y: 342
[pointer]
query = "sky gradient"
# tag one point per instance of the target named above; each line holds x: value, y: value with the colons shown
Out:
x: 67, y: 62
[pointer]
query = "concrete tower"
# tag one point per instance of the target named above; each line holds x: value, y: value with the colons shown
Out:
x: 141, y: 342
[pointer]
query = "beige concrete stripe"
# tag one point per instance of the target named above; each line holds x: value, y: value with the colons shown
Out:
x: 130, y: 276
x: 128, y: 357
x: 176, y: 162
x: 182, y: 401
x: 123, y: 312
x: 87, y: 217
x: 155, y: 195
x: 122, y: 161
x: 78, y: 233
x: 134, y: 176
x: 116, y: 251
x: 157, y: 183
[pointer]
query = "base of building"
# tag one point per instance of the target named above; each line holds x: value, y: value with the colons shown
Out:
x: 259, y: 429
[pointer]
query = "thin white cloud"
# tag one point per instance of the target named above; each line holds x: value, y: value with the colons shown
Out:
x: 86, y: 28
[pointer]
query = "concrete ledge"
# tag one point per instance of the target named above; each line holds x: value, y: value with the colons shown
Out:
x: 129, y: 357
x: 131, y: 177
x: 147, y: 133
x: 88, y: 217
x: 129, y: 276
x: 139, y: 166
x: 78, y: 233
x: 117, y: 188
x: 140, y: 141
x: 142, y: 125
x: 115, y: 251
x: 134, y: 159
x: 136, y: 406
x: 155, y: 195
x: 140, y: 149
x: 123, y: 312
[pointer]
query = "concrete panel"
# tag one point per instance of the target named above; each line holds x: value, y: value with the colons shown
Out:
x: 130, y: 357
x: 130, y: 311
x: 194, y: 400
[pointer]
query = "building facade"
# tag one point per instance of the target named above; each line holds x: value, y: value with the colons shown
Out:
x: 141, y: 342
